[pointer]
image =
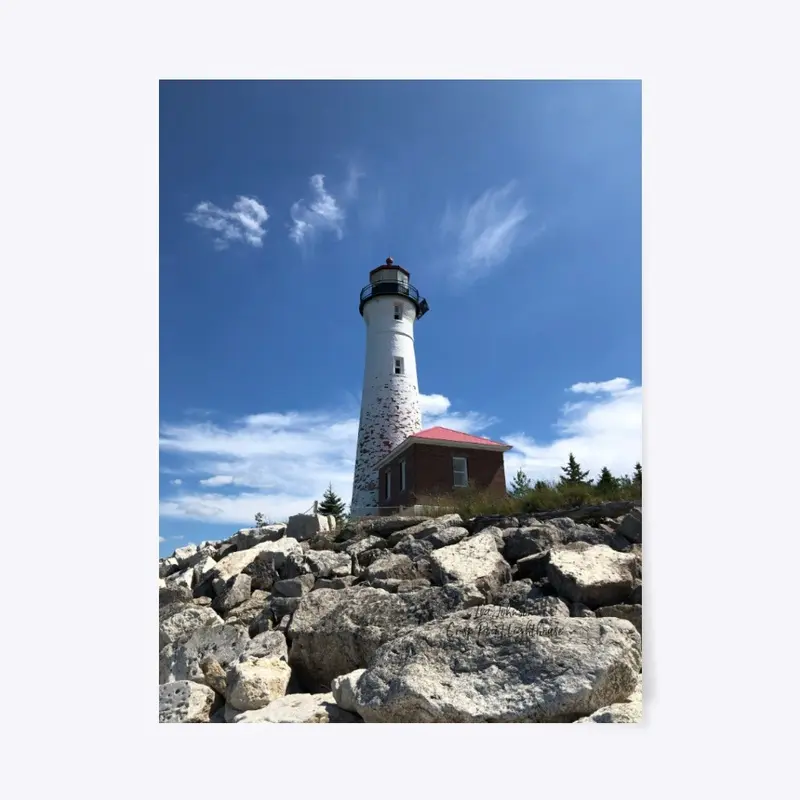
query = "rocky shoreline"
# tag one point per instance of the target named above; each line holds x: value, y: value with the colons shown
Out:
x: 534, y: 618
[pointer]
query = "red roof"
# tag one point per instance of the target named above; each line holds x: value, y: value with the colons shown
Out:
x: 448, y: 435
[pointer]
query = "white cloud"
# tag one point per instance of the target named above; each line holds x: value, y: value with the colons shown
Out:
x: 279, y: 463
x: 161, y: 539
x: 486, y: 231
x: 323, y: 214
x: 176, y: 482
x: 244, y: 222
x: 218, y: 480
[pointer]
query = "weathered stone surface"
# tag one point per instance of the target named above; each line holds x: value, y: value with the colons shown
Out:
x: 547, y: 607
x: 202, y: 569
x: 304, y: 526
x: 270, y: 644
x: 335, y: 583
x: 383, y: 526
x: 594, y: 575
x: 415, y: 549
x: 225, y: 642
x: 387, y: 584
x: 174, y: 593
x: 183, y: 578
x: 413, y: 585
x: 328, y: 564
x: 179, y: 626
x: 250, y: 537
x: 522, y: 542
x: 253, y: 684
x: 294, y: 587
x: 390, y: 565
x: 183, y: 554
x: 473, y: 560
x: 429, y: 527
x: 580, y: 610
x: 215, y: 675
x: 446, y: 537
x: 184, y: 701
x: 517, y: 594
x: 201, y: 601
x: 629, y: 711
x: 633, y: 613
x: 534, y: 567
x: 363, y: 545
x: 512, y: 669
x: 282, y: 606
x: 343, y: 689
x: 166, y: 566
x: 631, y: 526
x: 274, y: 553
x: 336, y: 631
x: 299, y: 708
x: 235, y: 592
x: 250, y: 614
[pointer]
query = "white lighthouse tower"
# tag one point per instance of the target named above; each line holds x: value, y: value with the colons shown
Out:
x: 390, y: 410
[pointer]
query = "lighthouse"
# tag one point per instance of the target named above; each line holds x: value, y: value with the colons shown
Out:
x: 390, y: 410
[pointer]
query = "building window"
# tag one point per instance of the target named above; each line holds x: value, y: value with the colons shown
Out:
x: 402, y: 476
x: 398, y: 311
x: 388, y: 483
x: 460, y: 472
x: 398, y: 366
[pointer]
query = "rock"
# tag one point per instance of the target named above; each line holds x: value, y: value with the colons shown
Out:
x: 594, y: 575
x: 430, y: 527
x: 387, y: 584
x: 631, y: 526
x: 343, y: 689
x: 214, y: 675
x: 166, y: 566
x: 518, y: 595
x: 478, y: 524
x: 629, y: 711
x: 225, y: 642
x: 580, y: 610
x: 446, y: 537
x: 201, y: 601
x: 179, y: 626
x: 202, y: 570
x: 415, y: 549
x: 283, y: 625
x: 184, y: 701
x: 235, y: 592
x: 250, y: 537
x: 253, y: 614
x: 383, y: 526
x: 294, y: 587
x: 274, y: 553
x: 633, y: 613
x: 254, y: 684
x: 636, y: 594
x: 162, y: 584
x: 328, y: 564
x: 363, y: 545
x: 523, y: 542
x: 174, y: 593
x: 514, y: 669
x: 300, y: 708
x: 304, y: 526
x: 270, y: 644
x: 390, y: 565
x: 224, y: 549
x: 547, y: 607
x: 282, y: 606
x: 472, y: 561
x: 335, y: 583
x: 336, y: 631
x: 183, y: 578
x: 615, y: 508
x: 183, y: 554
x: 534, y: 567
x: 413, y: 585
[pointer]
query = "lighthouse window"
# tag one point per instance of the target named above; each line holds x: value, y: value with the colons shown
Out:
x: 398, y: 312
x: 398, y: 366
x: 388, y: 484
x: 460, y: 472
x: 402, y: 476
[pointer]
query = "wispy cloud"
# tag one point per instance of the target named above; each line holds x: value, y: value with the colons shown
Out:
x: 323, y: 213
x: 279, y: 463
x: 486, y: 231
x: 176, y: 482
x: 244, y: 222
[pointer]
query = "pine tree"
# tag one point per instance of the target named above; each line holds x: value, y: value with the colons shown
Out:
x: 606, y: 484
x: 261, y: 520
x: 520, y: 486
x: 637, y: 473
x: 332, y: 504
x: 540, y: 486
x: 573, y: 473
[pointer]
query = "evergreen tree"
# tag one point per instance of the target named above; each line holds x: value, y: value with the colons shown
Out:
x: 332, y: 504
x: 520, y: 486
x: 573, y: 473
x: 540, y: 486
x: 606, y: 484
x: 637, y: 473
x: 261, y: 520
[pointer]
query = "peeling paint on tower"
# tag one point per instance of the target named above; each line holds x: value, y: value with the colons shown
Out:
x: 390, y: 409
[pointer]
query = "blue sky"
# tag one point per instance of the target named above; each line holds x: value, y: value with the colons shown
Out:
x: 516, y: 206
